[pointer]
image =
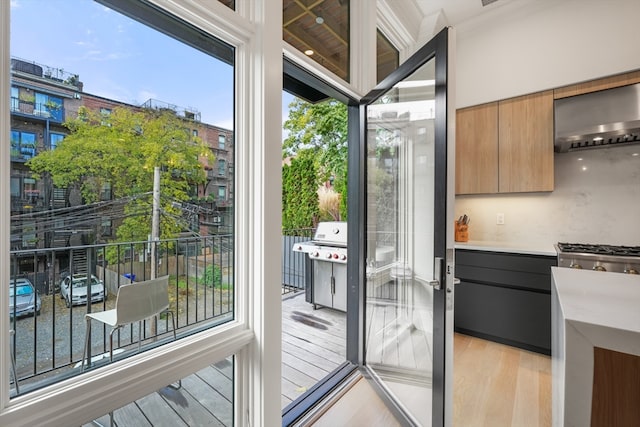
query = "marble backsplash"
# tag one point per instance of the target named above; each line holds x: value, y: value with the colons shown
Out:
x: 596, y: 200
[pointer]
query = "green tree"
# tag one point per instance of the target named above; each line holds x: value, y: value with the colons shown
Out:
x: 320, y: 131
x: 299, y: 193
x: 122, y: 149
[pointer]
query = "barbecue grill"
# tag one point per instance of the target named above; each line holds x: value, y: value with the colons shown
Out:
x: 327, y: 256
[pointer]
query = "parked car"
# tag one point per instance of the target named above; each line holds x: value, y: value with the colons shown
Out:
x: 74, y: 291
x: 23, y: 298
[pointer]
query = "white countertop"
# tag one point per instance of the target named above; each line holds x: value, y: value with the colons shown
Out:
x: 518, y: 248
x: 609, y: 300
x: 588, y: 309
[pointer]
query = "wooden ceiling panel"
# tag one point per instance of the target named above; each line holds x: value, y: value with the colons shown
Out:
x: 321, y: 26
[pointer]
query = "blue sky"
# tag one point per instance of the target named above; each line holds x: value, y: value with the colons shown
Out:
x: 118, y: 58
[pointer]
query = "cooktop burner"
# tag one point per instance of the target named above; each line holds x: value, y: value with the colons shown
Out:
x: 633, y: 251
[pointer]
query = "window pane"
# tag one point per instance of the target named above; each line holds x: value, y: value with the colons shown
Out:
x: 204, y: 398
x: 123, y: 111
x: 388, y: 57
x: 319, y: 29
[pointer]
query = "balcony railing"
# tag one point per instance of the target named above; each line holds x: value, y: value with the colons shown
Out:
x: 40, y: 110
x: 48, y: 346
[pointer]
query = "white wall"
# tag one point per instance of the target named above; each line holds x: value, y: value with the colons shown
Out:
x: 596, y: 200
x: 531, y: 45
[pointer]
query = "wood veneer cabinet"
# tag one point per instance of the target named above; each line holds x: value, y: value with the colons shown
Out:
x: 596, y: 85
x: 525, y: 143
x: 505, y: 146
x: 477, y: 149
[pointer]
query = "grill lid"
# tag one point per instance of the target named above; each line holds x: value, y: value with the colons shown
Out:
x: 331, y: 233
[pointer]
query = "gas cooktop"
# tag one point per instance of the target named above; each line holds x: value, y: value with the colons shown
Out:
x: 612, y: 250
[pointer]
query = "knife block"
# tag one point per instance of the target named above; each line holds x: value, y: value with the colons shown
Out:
x: 461, y: 232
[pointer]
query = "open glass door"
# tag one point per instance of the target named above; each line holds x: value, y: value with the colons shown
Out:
x: 408, y: 328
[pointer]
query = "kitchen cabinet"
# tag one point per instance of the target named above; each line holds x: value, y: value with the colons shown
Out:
x: 505, y: 146
x: 525, y: 143
x: 505, y: 297
x: 477, y: 149
x: 596, y: 85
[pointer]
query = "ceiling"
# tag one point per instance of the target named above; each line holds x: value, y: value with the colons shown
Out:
x: 458, y: 11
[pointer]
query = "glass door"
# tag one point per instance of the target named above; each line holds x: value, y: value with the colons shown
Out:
x: 408, y: 243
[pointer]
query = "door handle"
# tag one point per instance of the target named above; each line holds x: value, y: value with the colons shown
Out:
x: 437, y: 274
x: 456, y: 281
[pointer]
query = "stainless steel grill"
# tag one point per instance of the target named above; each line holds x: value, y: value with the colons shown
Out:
x: 616, y: 259
x: 327, y: 253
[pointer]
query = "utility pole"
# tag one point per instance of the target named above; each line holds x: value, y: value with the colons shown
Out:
x: 155, y: 222
x: 155, y: 235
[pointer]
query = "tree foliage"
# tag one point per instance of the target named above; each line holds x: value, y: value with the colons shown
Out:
x: 299, y: 194
x: 122, y: 149
x: 319, y: 131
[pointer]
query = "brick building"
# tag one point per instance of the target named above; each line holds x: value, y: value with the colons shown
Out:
x: 42, y: 98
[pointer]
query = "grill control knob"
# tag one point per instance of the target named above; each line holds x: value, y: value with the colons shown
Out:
x: 316, y: 254
x: 343, y: 257
x: 574, y: 265
x: 599, y: 268
x: 328, y: 256
x: 630, y: 270
x: 335, y: 256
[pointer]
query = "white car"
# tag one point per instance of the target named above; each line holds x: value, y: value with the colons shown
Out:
x: 75, y: 292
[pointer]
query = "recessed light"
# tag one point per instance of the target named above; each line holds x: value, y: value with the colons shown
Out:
x: 584, y: 168
x: 636, y: 154
x: 308, y: 52
x: 579, y: 159
x: 319, y: 20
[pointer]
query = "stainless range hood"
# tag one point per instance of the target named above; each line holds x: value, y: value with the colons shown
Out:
x: 599, y: 119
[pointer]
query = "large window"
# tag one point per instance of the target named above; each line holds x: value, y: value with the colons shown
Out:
x: 54, y: 139
x: 110, y: 65
x: 117, y: 138
x: 23, y: 145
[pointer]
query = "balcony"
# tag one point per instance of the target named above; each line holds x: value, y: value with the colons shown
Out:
x: 38, y: 111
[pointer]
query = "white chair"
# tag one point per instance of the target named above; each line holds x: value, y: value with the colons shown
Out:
x: 13, y: 362
x: 135, y: 302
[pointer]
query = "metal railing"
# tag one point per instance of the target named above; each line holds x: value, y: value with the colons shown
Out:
x: 48, y: 346
x: 294, y: 264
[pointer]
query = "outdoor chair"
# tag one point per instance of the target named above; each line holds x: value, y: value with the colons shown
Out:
x: 135, y: 302
x: 13, y: 362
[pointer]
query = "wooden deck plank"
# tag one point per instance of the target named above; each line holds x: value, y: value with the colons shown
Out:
x: 333, y: 354
x: 292, y: 391
x: 304, y: 366
x: 218, y: 381
x: 159, y: 413
x: 130, y: 415
x: 192, y: 412
x: 212, y: 400
x: 226, y: 367
x: 310, y: 357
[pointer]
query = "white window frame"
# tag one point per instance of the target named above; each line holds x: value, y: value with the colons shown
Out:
x: 255, y: 335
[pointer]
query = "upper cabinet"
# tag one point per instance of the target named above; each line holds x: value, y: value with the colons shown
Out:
x: 600, y: 84
x: 477, y: 149
x: 505, y: 146
x: 525, y: 143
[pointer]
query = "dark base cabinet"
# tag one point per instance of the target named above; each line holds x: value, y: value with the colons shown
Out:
x: 505, y: 297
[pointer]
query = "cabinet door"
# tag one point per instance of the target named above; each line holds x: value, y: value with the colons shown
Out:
x: 526, y: 143
x: 477, y: 149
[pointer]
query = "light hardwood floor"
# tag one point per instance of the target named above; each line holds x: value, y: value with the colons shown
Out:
x: 495, y: 385
x: 498, y: 385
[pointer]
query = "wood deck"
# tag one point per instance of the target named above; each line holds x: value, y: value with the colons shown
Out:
x: 313, y: 345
